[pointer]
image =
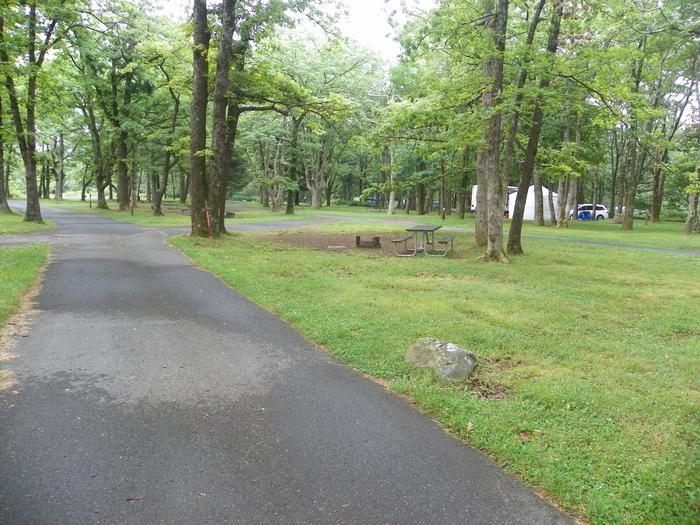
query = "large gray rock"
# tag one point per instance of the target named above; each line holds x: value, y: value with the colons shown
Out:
x: 448, y: 360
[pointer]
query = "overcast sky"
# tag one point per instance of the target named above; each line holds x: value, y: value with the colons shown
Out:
x: 367, y: 21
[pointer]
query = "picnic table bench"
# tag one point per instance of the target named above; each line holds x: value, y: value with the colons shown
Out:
x: 186, y: 209
x: 403, y: 239
x: 183, y: 208
x: 424, y: 238
x: 449, y: 239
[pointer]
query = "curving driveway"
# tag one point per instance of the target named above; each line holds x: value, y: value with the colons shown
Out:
x: 149, y: 392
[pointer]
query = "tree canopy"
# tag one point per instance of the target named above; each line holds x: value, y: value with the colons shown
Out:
x: 596, y: 100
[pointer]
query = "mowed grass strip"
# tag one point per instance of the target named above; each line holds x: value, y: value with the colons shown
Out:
x: 19, y: 268
x: 588, y: 386
x: 14, y: 223
x: 666, y: 234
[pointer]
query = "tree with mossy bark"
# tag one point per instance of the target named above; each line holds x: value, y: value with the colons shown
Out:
x: 27, y: 34
x: 487, y: 164
x: 4, y: 205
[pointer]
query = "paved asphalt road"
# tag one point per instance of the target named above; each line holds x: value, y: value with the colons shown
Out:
x: 149, y: 392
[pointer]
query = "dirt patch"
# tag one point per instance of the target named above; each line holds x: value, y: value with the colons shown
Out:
x: 488, y: 389
x: 485, y: 383
x: 18, y: 326
x: 335, y: 242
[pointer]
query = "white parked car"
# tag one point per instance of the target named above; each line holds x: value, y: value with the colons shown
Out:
x: 601, y: 212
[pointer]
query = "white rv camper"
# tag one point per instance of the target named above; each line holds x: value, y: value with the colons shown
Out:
x: 529, y: 214
x: 511, y: 191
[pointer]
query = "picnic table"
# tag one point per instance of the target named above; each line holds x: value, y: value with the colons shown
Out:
x: 424, y: 236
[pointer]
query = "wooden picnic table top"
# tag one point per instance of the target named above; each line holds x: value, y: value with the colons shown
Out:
x: 423, y: 228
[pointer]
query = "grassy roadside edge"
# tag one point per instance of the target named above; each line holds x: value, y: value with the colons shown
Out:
x: 15, y: 319
x: 13, y: 224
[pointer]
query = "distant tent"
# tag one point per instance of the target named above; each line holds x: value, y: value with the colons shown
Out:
x: 512, y: 190
x: 529, y: 214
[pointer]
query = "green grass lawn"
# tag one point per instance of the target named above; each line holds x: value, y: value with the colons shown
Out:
x: 665, y: 234
x: 588, y: 384
x: 14, y: 223
x: 19, y: 268
x: 18, y: 271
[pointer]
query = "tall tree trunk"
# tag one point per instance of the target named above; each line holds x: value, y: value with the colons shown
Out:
x: 84, y: 182
x: 8, y: 162
x: 220, y: 164
x: 45, y: 176
x: 633, y: 167
x: 595, y: 199
x: 571, y: 208
x: 657, y: 189
x: 60, y: 170
x: 518, y: 211
x: 155, y: 185
x: 630, y: 193
x: 159, y: 192
x: 392, y: 193
x: 33, y: 210
x: 315, y: 198
x: 183, y: 187
x: 330, y: 184
x: 572, y: 201
x: 462, y: 197
x: 264, y: 151
x: 314, y: 188
x: 134, y: 182
x: 539, y: 200
x: 198, y: 119
x: 420, y: 198
x: 123, y: 147
x: 98, y: 162
x: 488, y: 156
x: 27, y: 142
x: 614, y: 165
x: 444, y: 203
x: 483, y: 162
x: 692, y: 221
x: 315, y: 176
x: 481, y: 221
x: 4, y: 205
x: 122, y: 171
x: 463, y: 186
x: 563, y: 198
x: 293, y: 170
x: 565, y: 182
x: 277, y: 193
x: 552, y: 210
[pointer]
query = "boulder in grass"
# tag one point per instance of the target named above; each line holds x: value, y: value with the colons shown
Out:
x: 448, y: 360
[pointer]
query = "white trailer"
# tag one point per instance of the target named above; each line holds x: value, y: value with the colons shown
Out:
x: 511, y: 190
x: 529, y: 214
